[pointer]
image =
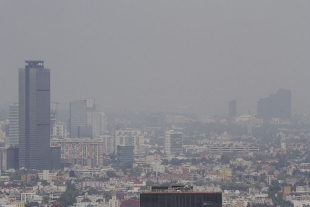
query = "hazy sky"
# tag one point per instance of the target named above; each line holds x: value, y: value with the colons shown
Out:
x: 160, y: 54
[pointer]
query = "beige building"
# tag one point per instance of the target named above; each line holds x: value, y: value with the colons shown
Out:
x: 46, y: 175
x: 113, y: 202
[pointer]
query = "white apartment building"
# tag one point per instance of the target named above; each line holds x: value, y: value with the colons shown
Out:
x: 129, y: 137
x: 46, y: 175
x: 60, y: 130
x: 108, y: 141
x: 26, y: 196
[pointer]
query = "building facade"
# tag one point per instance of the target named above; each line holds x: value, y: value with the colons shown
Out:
x: 98, y: 122
x: 178, y: 196
x: 125, y: 155
x: 14, y: 125
x: 34, y: 116
x: 129, y: 137
x: 78, y: 116
x: 83, y: 151
x: 59, y: 130
x: 173, y: 142
x: 108, y: 141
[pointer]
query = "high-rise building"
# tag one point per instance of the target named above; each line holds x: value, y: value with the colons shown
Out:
x: 34, y: 116
x: 125, y: 155
x: 14, y: 125
x: 8, y: 158
x: 98, y: 122
x: 108, y: 141
x: 129, y: 137
x: 232, y: 109
x: 277, y: 105
x: 173, y: 142
x: 78, y: 116
x: 84, y: 121
x: 181, y: 196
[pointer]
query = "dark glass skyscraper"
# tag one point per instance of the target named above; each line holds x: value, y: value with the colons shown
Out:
x: 34, y: 116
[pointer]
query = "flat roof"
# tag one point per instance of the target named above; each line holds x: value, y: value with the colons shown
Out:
x: 180, y: 192
x: 35, y: 61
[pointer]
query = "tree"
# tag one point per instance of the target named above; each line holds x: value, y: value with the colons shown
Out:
x: 69, y: 196
x: 44, y: 183
x: 93, y: 191
x: 111, y: 174
x: 165, y: 162
x: 107, y: 195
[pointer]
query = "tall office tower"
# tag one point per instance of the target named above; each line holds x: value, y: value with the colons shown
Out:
x: 14, y: 125
x: 98, y: 122
x: 173, y: 142
x: 277, y: 105
x: 129, y: 137
x: 34, y: 116
x: 232, y: 109
x: 78, y: 116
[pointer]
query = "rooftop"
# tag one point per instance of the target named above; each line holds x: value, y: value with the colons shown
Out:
x: 174, y: 189
x: 35, y: 63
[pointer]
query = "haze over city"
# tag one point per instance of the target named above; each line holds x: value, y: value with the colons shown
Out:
x: 154, y: 103
x: 159, y: 56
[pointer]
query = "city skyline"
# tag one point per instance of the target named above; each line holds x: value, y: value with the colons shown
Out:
x: 168, y: 60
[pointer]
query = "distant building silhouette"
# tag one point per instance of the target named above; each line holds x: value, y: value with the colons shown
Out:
x: 78, y: 116
x: 277, y: 105
x: 34, y: 116
x: 232, y: 109
x: 85, y: 121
